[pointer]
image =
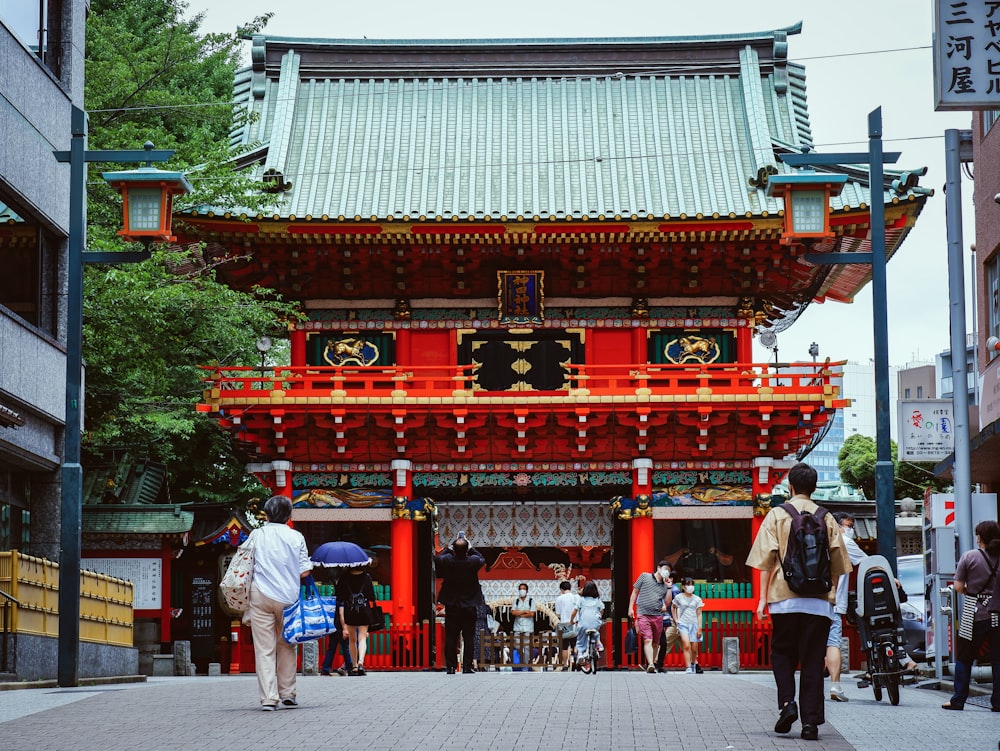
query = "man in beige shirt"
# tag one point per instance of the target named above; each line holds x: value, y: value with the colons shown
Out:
x: 801, y: 624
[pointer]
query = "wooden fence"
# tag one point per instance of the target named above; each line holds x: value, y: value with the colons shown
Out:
x: 106, y: 615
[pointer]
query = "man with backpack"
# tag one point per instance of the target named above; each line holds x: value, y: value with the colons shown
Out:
x: 801, y: 554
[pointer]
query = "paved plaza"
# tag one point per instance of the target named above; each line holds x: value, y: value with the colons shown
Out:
x: 496, y: 711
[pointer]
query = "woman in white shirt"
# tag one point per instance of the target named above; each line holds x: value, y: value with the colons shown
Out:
x: 280, y: 562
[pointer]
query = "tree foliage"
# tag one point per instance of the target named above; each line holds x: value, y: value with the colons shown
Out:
x: 856, y: 462
x: 152, y: 76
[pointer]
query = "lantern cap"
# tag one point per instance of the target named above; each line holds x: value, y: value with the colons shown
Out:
x: 778, y: 185
x: 176, y: 182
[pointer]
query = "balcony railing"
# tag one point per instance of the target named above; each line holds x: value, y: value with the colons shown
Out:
x: 776, y: 381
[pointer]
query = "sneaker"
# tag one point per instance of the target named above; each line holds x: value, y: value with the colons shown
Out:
x: 651, y: 668
x: 837, y: 694
x: 268, y: 707
x: 290, y: 702
x: 689, y: 670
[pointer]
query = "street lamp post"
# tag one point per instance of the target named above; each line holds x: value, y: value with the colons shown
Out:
x: 885, y: 500
x: 72, y: 470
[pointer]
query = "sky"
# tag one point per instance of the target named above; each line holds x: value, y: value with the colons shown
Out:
x: 858, y: 55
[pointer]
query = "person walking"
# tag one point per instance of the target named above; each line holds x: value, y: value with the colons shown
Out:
x: 834, y: 658
x: 670, y: 636
x: 280, y: 562
x: 687, y: 609
x: 975, y: 577
x: 651, y: 598
x: 566, y: 606
x: 355, y: 595
x: 801, y: 624
x: 458, y: 568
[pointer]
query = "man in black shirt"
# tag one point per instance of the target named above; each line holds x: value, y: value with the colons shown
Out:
x: 458, y: 566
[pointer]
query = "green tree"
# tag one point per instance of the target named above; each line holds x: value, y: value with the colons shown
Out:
x: 856, y: 462
x: 151, y: 76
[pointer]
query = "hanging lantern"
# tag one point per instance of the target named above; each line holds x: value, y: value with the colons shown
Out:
x: 148, y: 201
x: 807, y: 204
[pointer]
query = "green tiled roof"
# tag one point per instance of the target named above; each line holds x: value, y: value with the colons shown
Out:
x: 136, y: 520
x: 464, y: 129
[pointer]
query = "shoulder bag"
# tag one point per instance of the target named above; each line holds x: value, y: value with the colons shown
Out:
x: 235, y: 584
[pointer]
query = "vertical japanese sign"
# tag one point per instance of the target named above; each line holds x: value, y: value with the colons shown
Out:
x: 966, y: 54
x: 521, y: 297
x: 926, y: 430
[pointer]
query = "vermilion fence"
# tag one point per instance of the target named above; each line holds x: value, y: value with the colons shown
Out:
x: 408, y: 646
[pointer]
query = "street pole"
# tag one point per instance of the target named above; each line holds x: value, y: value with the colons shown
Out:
x: 962, y: 472
x: 71, y: 490
x: 885, y: 495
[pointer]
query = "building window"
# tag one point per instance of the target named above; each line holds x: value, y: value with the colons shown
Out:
x: 989, y: 118
x: 993, y: 294
x: 920, y: 392
x: 29, y: 282
x: 906, y: 393
x: 38, y: 24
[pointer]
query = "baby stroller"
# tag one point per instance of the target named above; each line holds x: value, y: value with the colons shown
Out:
x: 878, y: 618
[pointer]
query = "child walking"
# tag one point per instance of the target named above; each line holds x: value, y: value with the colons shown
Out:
x: 687, y: 608
x: 591, y: 611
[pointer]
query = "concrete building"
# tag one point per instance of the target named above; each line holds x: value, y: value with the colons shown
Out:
x: 41, y: 80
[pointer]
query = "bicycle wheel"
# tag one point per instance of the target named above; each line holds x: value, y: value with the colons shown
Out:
x: 892, y: 677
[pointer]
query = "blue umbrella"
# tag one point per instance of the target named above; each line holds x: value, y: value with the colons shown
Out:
x: 340, y: 554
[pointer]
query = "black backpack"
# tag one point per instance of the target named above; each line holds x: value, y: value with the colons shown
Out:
x: 806, y: 564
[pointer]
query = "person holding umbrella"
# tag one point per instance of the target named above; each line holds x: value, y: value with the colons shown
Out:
x: 280, y: 561
x: 355, y: 595
x: 458, y: 566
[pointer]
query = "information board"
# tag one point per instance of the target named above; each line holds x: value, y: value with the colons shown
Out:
x: 925, y: 430
x: 146, y: 575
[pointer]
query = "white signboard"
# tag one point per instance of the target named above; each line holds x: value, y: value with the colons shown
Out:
x: 146, y: 575
x: 966, y: 55
x: 926, y: 430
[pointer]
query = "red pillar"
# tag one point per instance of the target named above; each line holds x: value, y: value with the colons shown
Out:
x: 643, y: 553
x: 298, y: 353
x: 402, y: 532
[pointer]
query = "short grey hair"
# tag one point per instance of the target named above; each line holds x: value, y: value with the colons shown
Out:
x: 278, y: 509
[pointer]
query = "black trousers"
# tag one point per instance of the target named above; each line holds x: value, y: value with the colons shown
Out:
x: 799, y: 641
x: 459, y: 622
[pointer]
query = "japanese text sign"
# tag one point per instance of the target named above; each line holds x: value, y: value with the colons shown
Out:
x: 966, y: 54
x: 926, y: 430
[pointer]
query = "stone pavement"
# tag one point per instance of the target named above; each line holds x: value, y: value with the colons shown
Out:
x: 496, y: 711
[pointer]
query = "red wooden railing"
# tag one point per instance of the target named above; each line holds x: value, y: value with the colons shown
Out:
x: 800, y: 378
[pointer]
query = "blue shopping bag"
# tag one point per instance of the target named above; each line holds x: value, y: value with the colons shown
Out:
x: 310, y: 617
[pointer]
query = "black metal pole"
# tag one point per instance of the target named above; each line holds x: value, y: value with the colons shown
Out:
x: 71, y: 490
x: 885, y: 494
x: 72, y: 471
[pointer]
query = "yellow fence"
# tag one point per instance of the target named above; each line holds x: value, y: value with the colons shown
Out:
x: 106, y: 615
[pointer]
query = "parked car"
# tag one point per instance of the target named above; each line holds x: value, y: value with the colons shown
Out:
x: 910, y: 570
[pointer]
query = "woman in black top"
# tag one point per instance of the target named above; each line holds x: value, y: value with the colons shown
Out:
x: 355, y: 596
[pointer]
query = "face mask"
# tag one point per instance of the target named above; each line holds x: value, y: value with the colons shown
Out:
x: 849, y: 533
x: 523, y: 592
x: 689, y: 589
x: 664, y: 572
